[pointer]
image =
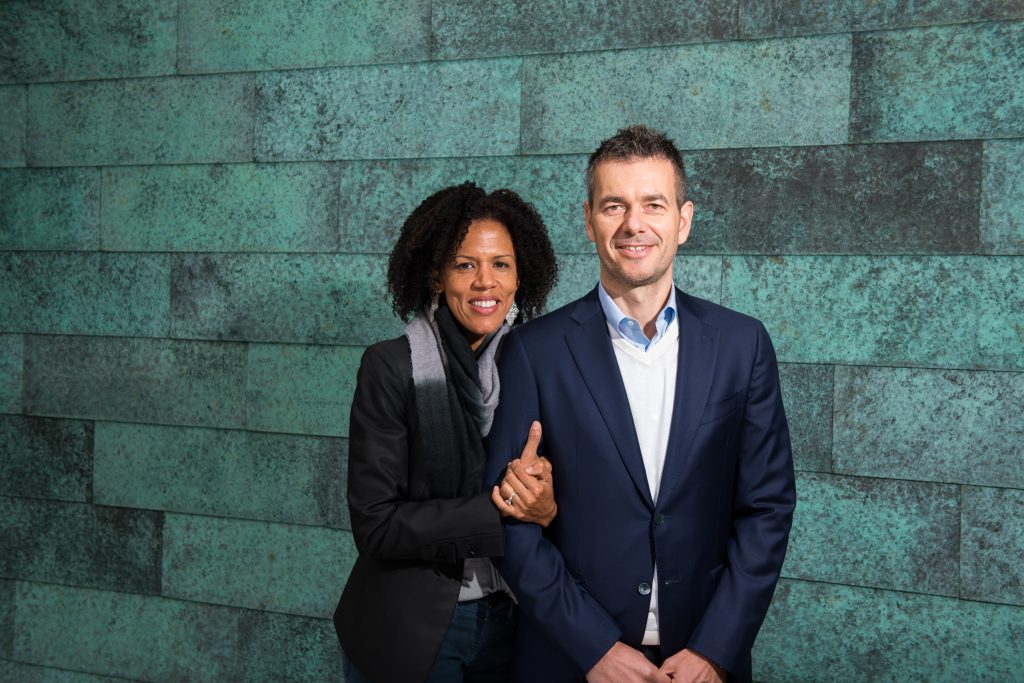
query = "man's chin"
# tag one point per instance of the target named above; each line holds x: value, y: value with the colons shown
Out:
x: 633, y: 280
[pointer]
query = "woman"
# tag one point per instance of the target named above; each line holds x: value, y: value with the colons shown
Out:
x: 423, y: 602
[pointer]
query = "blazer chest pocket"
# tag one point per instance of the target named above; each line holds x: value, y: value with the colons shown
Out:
x: 720, y: 409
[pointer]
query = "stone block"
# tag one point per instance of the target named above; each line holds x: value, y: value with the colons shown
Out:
x: 307, y: 298
x: 807, y: 395
x: 80, y: 544
x: 301, y: 389
x: 67, y: 40
x: 464, y: 29
x: 378, y: 195
x: 938, y: 83
x: 141, y: 637
x: 85, y: 293
x: 736, y: 94
x: 931, y: 425
x: 958, y: 311
x: 6, y: 617
x: 900, y: 535
x: 238, y: 36
x: 141, y: 121
x: 282, y: 647
x: 13, y: 109
x: 145, y: 380
x: 50, y: 209
x: 992, y: 568
x: 221, y: 207
x: 274, y: 477
x: 11, y: 362
x: 1002, y: 202
x: 45, y: 458
x: 919, y: 198
x: 759, y: 18
x: 826, y: 633
x: 427, y: 109
x: 288, y: 568
x: 27, y: 673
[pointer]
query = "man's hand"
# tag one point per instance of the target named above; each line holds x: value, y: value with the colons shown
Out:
x: 686, y: 666
x: 527, y: 491
x: 623, y: 664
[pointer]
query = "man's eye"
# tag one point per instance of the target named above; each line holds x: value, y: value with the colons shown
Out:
x: 655, y: 208
x: 613, y: 209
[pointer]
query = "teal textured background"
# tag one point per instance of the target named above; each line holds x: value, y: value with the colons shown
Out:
x: 196, y: 202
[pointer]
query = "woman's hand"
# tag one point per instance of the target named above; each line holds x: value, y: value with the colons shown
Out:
x: 527, y: 491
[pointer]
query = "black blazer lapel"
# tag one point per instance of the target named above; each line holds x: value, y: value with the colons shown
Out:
x: 591, y: 348
x: 698, y: 353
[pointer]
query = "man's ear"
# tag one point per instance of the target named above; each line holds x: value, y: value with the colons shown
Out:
x: 685, y: 221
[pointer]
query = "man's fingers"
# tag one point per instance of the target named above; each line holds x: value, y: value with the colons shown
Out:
x: 532, y: 442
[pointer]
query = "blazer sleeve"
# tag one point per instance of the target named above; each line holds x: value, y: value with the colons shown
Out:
x: 763, y: 503
x: 532, y: 565
x: 386, y: 523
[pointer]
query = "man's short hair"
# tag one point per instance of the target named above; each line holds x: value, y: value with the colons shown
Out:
x: 638, y: 142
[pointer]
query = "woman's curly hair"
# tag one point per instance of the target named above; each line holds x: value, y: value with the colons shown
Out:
x: 432, y: 233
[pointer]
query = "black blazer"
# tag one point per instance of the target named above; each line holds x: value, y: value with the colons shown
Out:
x: 404, y: 586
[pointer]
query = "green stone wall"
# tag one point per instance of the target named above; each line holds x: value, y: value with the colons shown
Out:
x: 197, y: 199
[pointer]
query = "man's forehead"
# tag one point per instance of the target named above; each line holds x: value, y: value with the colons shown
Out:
x: 648, y: 175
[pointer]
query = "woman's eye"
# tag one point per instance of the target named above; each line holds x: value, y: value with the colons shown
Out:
x: 503, y: 265
x: 464, y: 265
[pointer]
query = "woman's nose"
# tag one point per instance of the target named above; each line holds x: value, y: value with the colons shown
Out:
x: 484, y: 277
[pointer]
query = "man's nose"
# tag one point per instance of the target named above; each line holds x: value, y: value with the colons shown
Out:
x: 633, y: 220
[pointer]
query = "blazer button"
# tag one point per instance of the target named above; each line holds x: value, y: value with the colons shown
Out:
x: 659, y: 519
x: 644, y: 589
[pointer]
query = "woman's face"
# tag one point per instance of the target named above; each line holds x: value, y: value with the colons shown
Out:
x: 480, y: 282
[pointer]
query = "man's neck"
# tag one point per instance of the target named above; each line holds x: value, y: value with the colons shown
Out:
x: 642, y: 303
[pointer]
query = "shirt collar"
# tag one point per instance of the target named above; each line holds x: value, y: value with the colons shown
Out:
x: 629, y: 328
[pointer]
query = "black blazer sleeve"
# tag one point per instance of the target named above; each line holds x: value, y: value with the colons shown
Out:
x: 386, y: 522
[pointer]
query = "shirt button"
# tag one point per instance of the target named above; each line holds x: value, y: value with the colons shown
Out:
x: 644, y: 589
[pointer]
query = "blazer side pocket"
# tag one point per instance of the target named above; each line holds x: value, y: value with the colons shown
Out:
x: 720, y: 409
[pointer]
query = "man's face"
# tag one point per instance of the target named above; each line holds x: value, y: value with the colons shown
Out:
x: 635, y: 222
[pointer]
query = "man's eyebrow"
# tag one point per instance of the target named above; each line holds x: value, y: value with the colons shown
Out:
x: 612, y: 199
x: 654, y: 197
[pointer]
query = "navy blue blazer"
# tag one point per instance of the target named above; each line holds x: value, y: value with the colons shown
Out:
x: 719, y: 529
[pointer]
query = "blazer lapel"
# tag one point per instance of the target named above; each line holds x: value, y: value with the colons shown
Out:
x: 698, y: 353
x: 591, y: 348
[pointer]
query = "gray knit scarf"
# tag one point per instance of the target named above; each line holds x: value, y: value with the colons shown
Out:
x: 455, y: 402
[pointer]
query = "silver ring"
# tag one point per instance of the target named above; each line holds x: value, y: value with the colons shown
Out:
x: 508, y: 501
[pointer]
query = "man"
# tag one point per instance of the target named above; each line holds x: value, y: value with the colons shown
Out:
x: 664, y: 424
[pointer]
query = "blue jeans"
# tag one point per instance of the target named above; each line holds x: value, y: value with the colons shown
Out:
x: 477, y: 647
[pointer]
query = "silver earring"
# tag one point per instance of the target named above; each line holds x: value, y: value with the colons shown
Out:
x: 433, y: 306
x: 513, y: 311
